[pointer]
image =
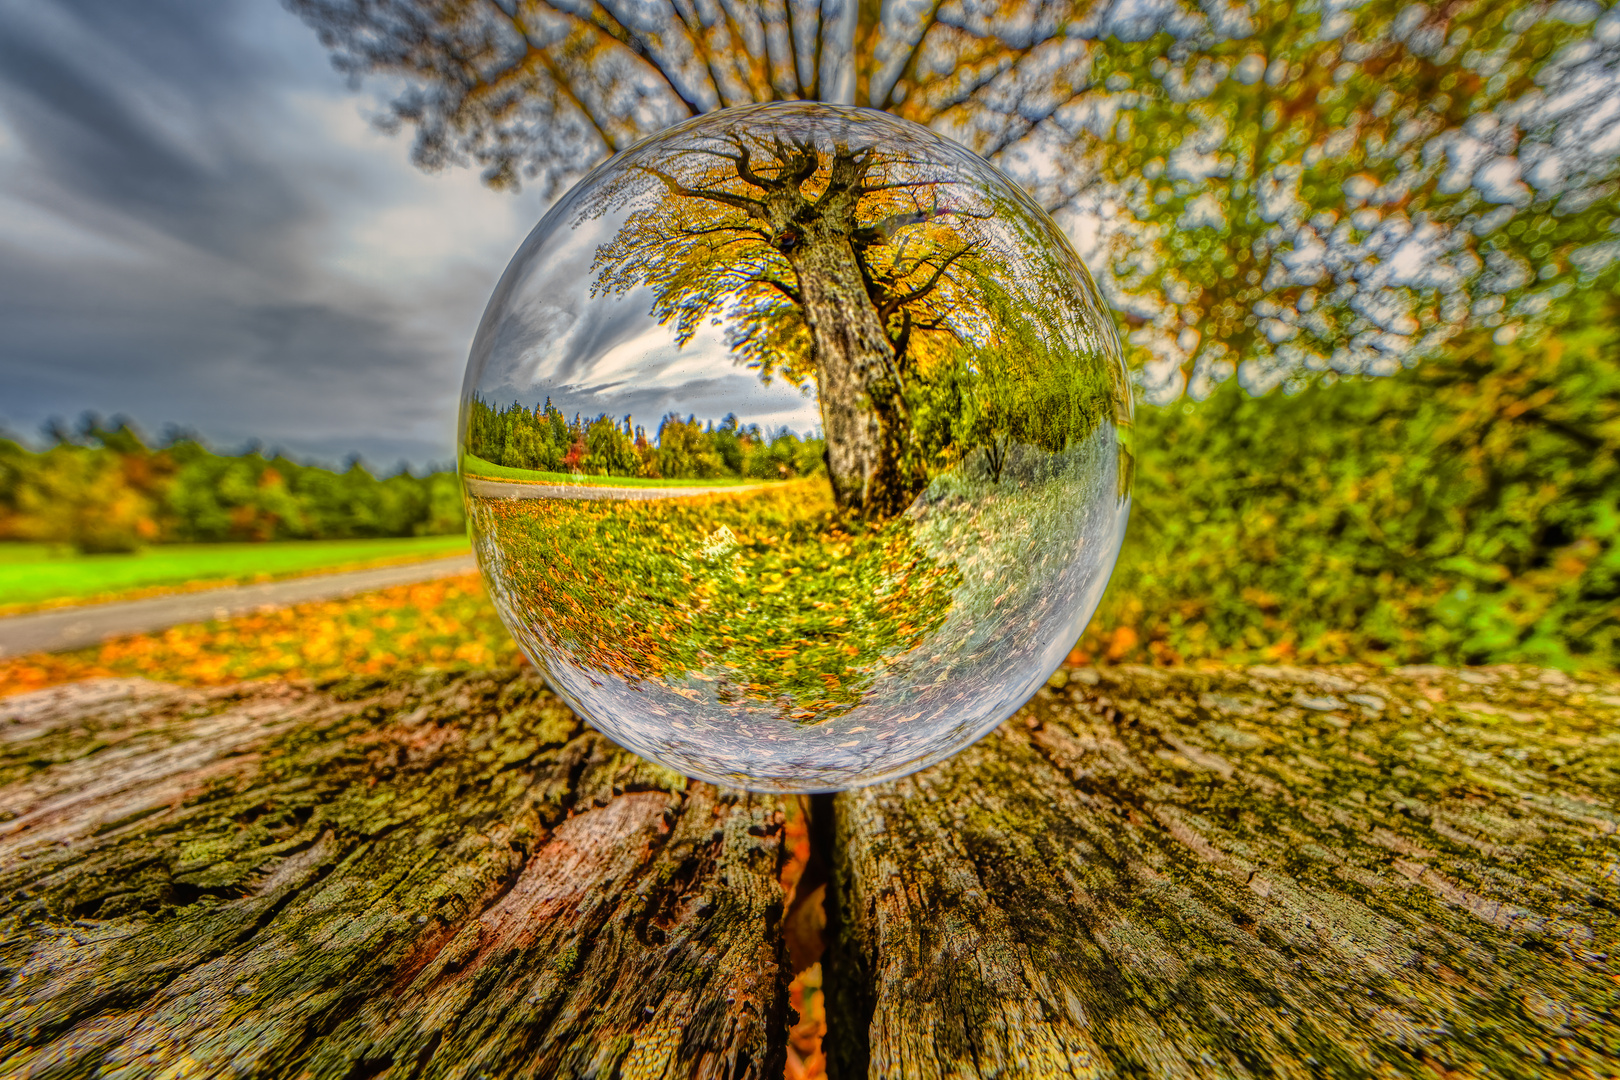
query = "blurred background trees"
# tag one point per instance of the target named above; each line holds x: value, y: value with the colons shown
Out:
x: 1284, y: 200
x: 102, y: 489
x: 1263, y: 189
x: 1463, y: 512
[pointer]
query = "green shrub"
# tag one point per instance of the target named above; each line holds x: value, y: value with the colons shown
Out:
x: 1464, y: 512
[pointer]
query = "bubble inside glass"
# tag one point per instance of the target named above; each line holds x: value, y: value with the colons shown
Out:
x: 795, y: 443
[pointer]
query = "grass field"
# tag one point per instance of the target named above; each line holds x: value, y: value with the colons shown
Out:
x: 477, y: 466
x: 42, y: 575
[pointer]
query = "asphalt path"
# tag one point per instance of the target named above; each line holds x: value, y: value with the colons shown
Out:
x: 63, y: 629
x: 512, y: 489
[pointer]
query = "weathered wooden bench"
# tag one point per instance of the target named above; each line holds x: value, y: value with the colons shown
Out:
x: 1236, y: 873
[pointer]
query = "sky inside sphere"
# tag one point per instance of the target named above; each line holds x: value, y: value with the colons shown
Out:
x: 201, y: 227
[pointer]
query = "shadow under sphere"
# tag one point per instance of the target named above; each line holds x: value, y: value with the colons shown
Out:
x: 885, y: 467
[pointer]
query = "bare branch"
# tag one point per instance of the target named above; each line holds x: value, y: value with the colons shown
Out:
x: 743, y: 161
x: 894, y: 303
x: 716, y: 229
x: 754, y: 207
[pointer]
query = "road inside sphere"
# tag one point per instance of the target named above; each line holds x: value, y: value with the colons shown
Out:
x: 504, y: 489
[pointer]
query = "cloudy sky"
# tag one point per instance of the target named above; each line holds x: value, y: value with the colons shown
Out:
x: 199, y: 226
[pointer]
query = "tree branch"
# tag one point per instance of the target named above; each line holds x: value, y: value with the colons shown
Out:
x: 605, y: 21
x: 697, y: 33
x: 815, y: 66
x: 744, y: 163
x: 786, y: 290
x: 567, y: 91
x: 754, y: 207
x: 741, y: 51
x: 793, y: 48
x: 760, y: 233
x: 908, y: 68
x: 895, y: 302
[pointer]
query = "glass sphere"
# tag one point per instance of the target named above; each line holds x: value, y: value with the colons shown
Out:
x: 795, y: 443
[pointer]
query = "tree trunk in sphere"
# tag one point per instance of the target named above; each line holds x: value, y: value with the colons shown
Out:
x: 434, y: 877
x: 1271, y: 872
x: 856, y: 381
x: 853, y: 381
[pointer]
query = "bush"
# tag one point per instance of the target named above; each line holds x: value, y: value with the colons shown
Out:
x: 1464, y: 512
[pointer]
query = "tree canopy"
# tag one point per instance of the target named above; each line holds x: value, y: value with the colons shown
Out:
x: 1266, y: 189
x: 847, y: 253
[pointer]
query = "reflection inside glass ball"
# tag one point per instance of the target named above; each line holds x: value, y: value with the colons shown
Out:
x: 885, y: 468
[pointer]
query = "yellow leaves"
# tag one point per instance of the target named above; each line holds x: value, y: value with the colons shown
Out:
x: 446, y: 622
x: 1123, y: 641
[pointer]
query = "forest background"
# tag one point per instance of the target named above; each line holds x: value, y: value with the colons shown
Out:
x: 1464, y: 512
x: 1395, y: 224
x: 104, y: 489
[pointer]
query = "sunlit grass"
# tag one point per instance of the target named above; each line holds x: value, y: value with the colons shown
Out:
x: 477, y: 466
x: 40, y: 575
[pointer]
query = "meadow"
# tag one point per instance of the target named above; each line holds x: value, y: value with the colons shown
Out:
x: 474, y: 465
x: 772, y: 589
x: 34, y: 575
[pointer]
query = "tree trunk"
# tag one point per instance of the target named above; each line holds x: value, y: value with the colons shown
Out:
x: 853, y: 358
x: 855, y: 362
x: 1274, y: 872
x: 435, y: 877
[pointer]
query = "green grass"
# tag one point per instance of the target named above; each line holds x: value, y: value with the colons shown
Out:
x: 36, y: 574
x: 477, y: 466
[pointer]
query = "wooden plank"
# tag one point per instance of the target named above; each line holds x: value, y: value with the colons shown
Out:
x: 435, y: 877
x: 1276, y: 872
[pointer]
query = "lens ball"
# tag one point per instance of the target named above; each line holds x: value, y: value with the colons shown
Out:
x: 795, y: 443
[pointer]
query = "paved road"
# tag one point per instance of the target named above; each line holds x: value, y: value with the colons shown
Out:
x: 78, y: 627
x: 502, y: 489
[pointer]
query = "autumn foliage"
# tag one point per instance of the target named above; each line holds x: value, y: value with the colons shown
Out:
x: 104, y: 488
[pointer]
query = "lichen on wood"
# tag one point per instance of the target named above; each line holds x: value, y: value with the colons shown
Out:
x: 437, y: 876
x: 1271, y: 872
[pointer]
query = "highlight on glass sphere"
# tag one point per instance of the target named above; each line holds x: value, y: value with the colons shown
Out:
x: 795, y: 442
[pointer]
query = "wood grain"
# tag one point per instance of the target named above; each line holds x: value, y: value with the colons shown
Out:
x: 1277, y: 872
x: 435, y: 877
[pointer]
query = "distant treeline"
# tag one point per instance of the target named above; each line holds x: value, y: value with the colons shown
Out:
x: 104, y: 489
x: 542, y: 438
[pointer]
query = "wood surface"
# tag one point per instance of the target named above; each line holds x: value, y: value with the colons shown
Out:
x: 1266, y: 872
x: 1272, y: 872
x: 439, y: 877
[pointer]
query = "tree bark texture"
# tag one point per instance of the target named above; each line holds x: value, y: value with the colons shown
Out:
x: 434, y: 877
x: 855, y: 361
x: 1271, y: 872
x: 853, y: 380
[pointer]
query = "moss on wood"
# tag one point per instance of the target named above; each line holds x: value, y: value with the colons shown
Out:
x: 1271, y: 872
x: 431, y: 877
